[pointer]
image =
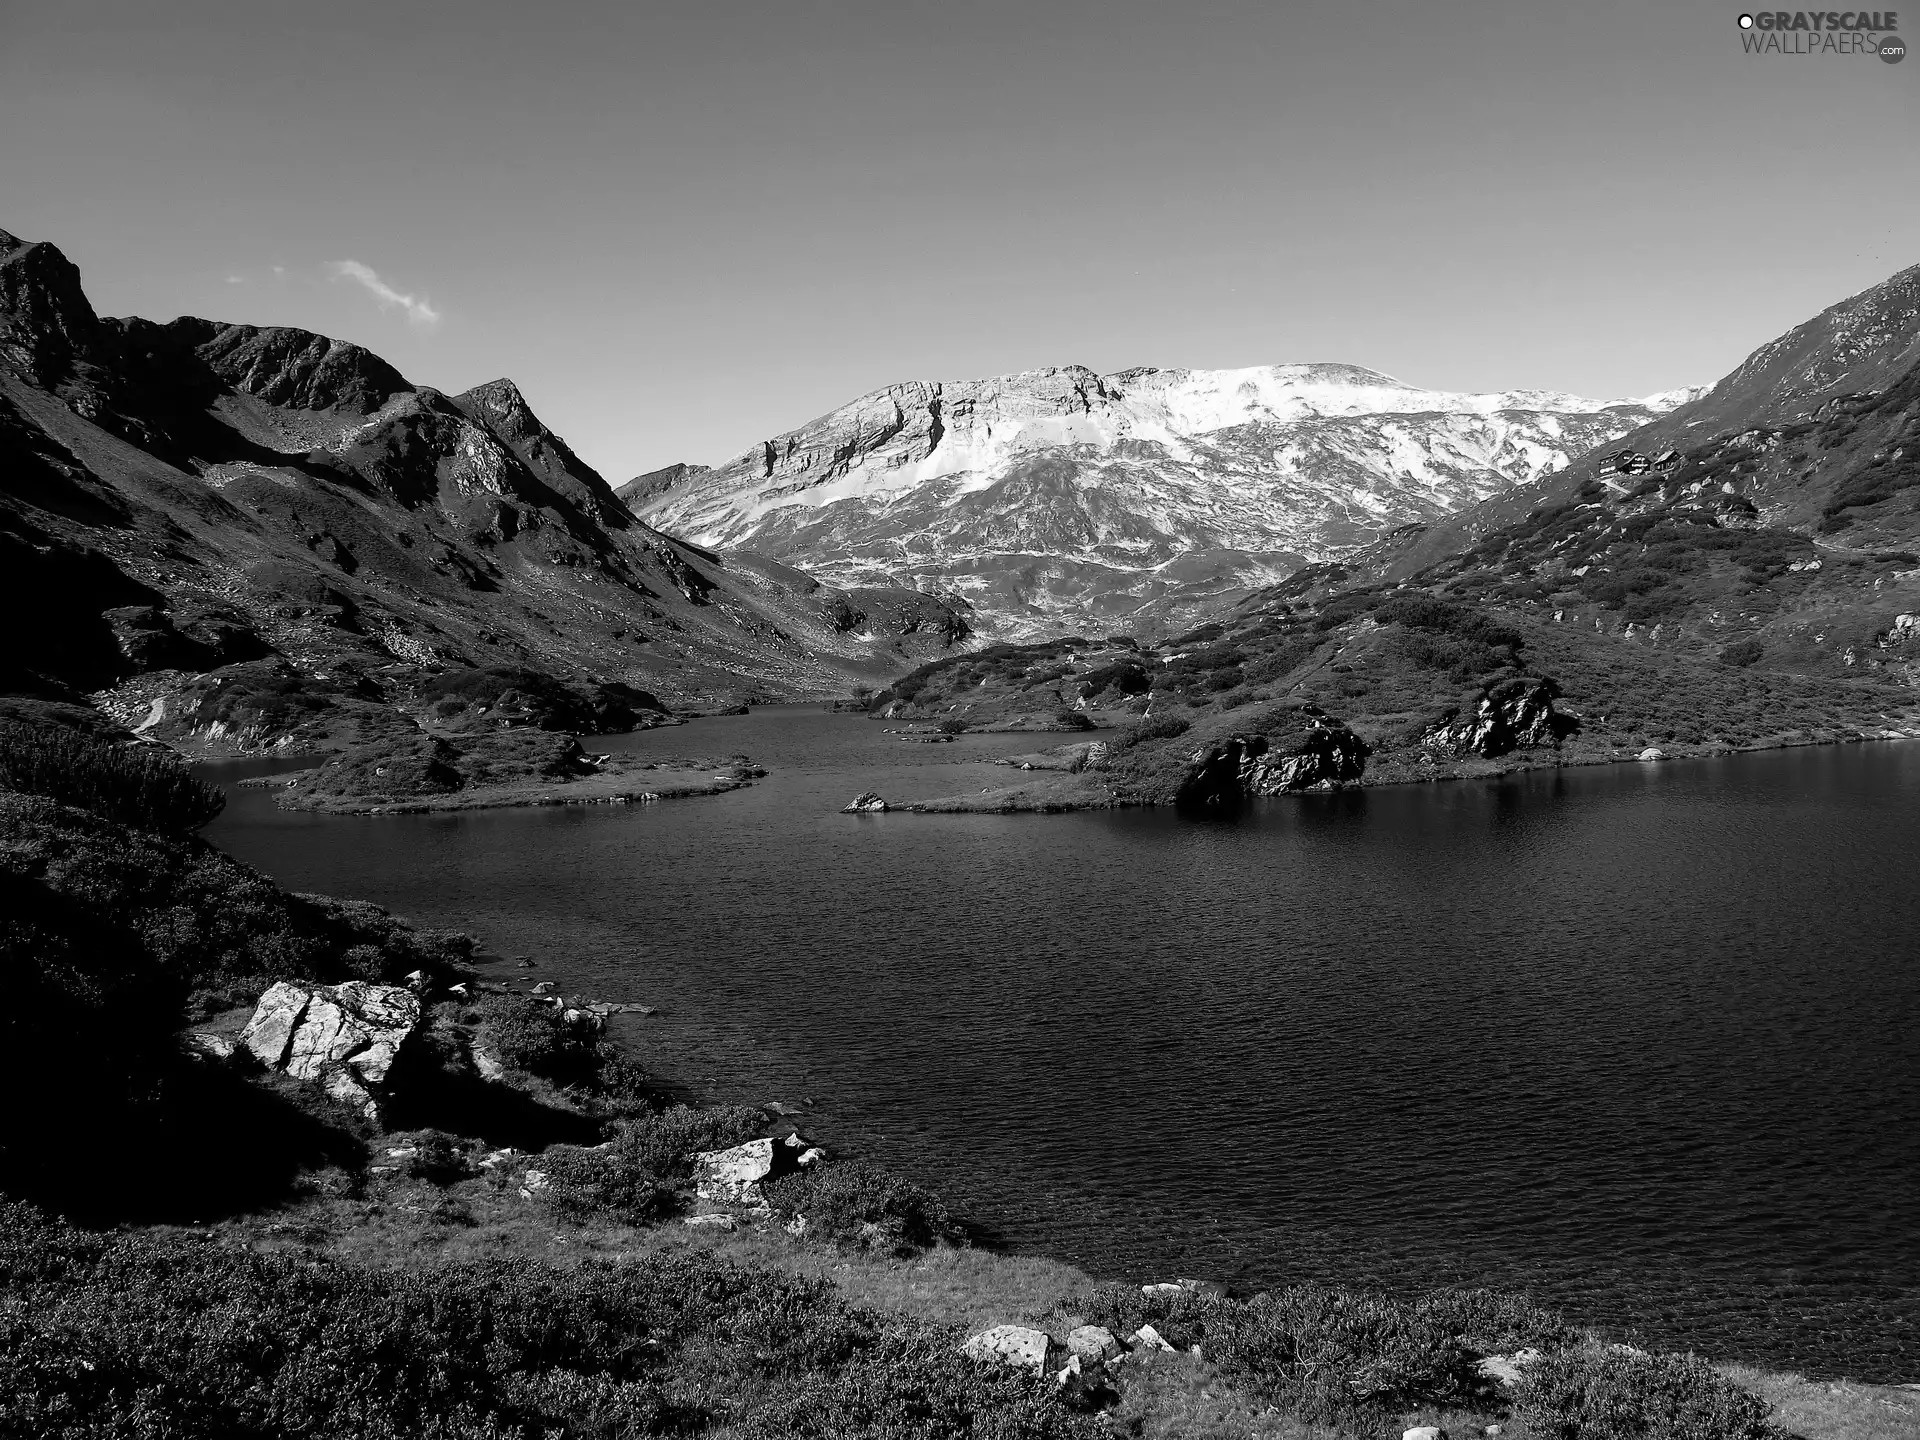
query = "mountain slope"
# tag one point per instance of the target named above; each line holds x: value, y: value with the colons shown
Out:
x: 195, y: 510
x: 1816, y: 429
x: 1757, y: 583
x: 1062, y: 498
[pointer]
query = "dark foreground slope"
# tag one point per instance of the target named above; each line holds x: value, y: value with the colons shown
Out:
x: 241, y: 534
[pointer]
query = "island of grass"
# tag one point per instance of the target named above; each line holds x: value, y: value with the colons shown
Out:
x: 478, y: 769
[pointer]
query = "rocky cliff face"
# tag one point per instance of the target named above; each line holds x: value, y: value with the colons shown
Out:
x: 1063, y: 498
x: 180, y: 499
x: 1317, y: 755
x: 1515, y: 714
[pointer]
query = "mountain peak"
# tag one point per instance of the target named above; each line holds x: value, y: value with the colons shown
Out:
x: 46, y: 320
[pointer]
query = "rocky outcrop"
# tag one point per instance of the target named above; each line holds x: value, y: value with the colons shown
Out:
x: 867, y: 802
x: 733, y: 1176
x: 1019, y: 1346
x: 344, y: 1037
x: 1515, y: 715
x: 1094, y: 1344
x: 1320, y: 755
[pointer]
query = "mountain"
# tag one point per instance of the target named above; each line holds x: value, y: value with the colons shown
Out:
x: 1755, y: 583
x: 226, y: 530
x: 1064, y: 499
x: 1815, y: 430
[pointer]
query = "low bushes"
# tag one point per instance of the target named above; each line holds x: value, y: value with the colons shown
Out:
x: 853, y: 1202
x: 1342, y: 1357
x: 1157, y: 727
x: 1626, y: 1395
x: 633, y: 1178
x: 142, y: 786
x: 540, y: 1040
x: 155, y: 1334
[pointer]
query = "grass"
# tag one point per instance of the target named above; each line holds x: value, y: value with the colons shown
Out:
x: 1833, y: 1409
x: 498, y: 769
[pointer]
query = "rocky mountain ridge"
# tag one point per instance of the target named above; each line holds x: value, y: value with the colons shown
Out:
x: 232, y: 531
x: 1063, y: 498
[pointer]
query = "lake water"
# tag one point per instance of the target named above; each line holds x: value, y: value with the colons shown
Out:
x: 1642, y: 1041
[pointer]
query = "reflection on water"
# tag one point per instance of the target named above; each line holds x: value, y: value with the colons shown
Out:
x: 1638, y: 1039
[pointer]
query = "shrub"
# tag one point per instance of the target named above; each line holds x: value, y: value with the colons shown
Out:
x: 854, y: 1202
x: 1627, y: 1395
x: 605, y: 1184
x: 1156, y: 727
x: 1073, y: 719
x: 439, y: 1158
x: 952, y: 725
x: 150, y: 1334
x: 1337, y: 1356
x: 142, y: 786
x: 1742, y: 652
x: 665, y: 1143
x: 537, y: 1038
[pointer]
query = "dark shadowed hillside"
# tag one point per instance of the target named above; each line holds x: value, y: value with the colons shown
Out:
x: 242, y: 535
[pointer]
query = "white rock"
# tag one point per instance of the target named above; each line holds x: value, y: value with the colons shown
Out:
x: 535, y: 1180
x: 209, y: 1047
x: 1071, y: 1369
x: 1505, y: 1369
x: 731, y: 1177
x: 1652, y: 752
x: 710, y: 1222
x: 346, y: 1037
x: 867, y: 802
x: 1424, y: 1432
x: 1093, y: 1343
x: 1147, y: 1338
x: 1163, y: 1289
x: 1020, y: 1346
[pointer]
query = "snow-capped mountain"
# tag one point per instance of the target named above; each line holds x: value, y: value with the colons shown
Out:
x: 1063, y: 498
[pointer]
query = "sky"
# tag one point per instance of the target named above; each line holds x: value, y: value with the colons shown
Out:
x: 685, y: 227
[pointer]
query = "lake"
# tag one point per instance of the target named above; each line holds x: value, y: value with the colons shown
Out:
x: 1641, y: 1040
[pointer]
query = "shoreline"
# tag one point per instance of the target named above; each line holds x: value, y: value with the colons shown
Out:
x: 616, y: 789
x: 1073, y: 791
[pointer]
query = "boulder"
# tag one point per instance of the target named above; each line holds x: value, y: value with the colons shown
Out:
x: 208, y: 1047
x: 344, y: 1037
x: 732, y: 1177
x: 1208, y: 1289
x: 1147, y: 1340
x: 1424, y: 1432
x: 1071, y: 1371
x: 867, y: 802
x: 1020, y: 1346
x: 1505, y: 1369
x: 710, y: 1222
x: 1165, y: 1288
x: 1652, y: 752
x: 1093, y: 1343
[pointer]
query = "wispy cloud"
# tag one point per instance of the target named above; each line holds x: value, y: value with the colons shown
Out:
x: 418, y: 310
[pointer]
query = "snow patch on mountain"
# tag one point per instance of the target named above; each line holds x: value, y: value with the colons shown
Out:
x: 1059, y: 497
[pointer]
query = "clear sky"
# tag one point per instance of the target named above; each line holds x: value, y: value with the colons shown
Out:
x: 683, y: 227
